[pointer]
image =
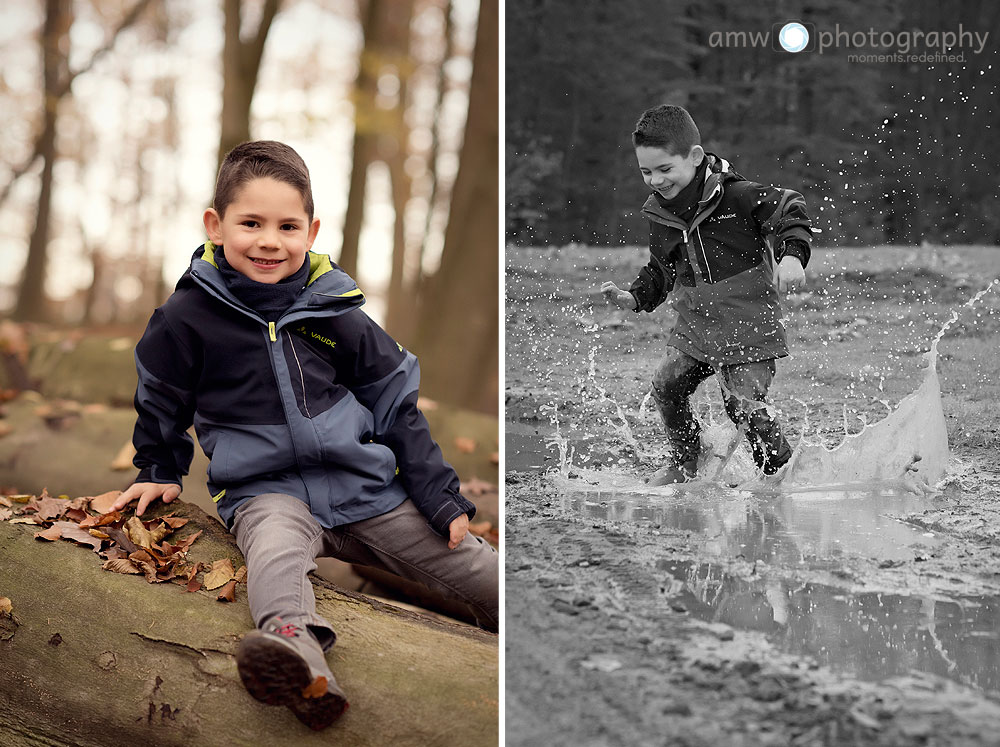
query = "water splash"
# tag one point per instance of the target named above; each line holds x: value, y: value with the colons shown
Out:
x: 905, y: 450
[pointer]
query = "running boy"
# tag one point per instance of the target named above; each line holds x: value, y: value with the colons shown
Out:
x: 710, y: 233
x: 308, y: 413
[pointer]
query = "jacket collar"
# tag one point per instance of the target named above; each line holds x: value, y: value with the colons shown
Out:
x: 329, y: 290
x: 719, y: 171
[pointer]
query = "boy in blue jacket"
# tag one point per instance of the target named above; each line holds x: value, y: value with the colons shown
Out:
x: 308, y: 413
x: 711, y: 233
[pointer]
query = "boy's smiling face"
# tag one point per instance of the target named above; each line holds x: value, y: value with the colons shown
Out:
x: 265, y: 232
x: 665, y: 172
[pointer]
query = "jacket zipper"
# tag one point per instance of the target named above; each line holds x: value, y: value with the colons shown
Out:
x: 272, y: 332
x: 302, y: 378
x: 708, y: 269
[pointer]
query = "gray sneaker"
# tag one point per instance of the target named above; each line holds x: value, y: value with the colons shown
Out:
x: 284, y: 665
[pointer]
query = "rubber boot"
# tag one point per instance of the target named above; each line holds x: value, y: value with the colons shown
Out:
x: 674, y: 473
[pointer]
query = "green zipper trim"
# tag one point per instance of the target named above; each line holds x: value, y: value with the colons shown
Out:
x: 270, y: 329
x: 215, y: 498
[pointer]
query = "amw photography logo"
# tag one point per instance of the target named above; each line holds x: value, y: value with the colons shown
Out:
x: 862, y: 45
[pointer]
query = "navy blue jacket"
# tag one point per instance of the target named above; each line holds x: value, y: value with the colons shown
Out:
x: 719, y: 268
x: 320, y: 405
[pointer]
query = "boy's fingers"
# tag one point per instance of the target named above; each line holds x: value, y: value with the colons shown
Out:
x: 124, y: 499
x: 147, y: 497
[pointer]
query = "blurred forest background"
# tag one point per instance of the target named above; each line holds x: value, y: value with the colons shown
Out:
x: 114, y: 115
x: 884, y: 152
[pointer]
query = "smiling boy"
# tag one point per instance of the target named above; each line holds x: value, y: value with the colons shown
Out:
x: 308, y: 413
x: 711, y: 239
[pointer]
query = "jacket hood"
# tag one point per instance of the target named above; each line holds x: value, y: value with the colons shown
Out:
x: 328, y: 288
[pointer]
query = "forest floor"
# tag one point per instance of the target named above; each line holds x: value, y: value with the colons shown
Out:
x: 713, y: 616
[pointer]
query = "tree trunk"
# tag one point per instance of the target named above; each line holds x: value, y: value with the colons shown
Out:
x: 31, y: 304
x: 241, y: 66
x: 457, y: 334
x: 364, y: 135
x: 98, y: 659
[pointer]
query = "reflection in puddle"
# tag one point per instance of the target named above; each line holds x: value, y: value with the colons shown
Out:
x: 870, y: 635
x: 777, y: 528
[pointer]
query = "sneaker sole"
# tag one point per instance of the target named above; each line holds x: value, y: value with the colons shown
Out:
x: 274, y: 674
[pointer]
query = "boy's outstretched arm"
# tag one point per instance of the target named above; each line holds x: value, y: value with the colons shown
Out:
x: 617, y: 296
x: 781, y: 214
x: 164, y: 405
x: 384, y: 378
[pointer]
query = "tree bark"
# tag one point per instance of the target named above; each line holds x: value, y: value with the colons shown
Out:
x: 458, y: 337
x: 98, y: 659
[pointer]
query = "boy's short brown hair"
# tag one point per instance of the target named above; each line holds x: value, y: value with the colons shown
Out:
x: 256, y: 159
x: 668, y: 127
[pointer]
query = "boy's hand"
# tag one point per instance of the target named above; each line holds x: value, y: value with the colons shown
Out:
x: 617, y: 296
x: 147, y: 492
x: 790, y: 275
x: 457, y: 530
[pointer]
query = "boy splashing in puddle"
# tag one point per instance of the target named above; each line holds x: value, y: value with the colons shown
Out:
x: 710, y: 236
x: 308, y: 413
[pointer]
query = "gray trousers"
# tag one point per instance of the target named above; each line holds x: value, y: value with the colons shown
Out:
x: 744, y: 390
x: 280, y: 541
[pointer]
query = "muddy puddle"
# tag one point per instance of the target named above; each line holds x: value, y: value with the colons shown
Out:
x: 868, y: 635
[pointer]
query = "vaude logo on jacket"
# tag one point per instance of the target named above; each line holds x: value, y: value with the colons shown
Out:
x: 727, y: 216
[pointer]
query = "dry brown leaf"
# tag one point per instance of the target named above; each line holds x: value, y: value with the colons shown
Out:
x: 175, y: 522
x: 102, y: 520
x: 5, y: 501
x: 76, y: 515
x: 123, y: 459
x: 99, y: 534
x: 193, y: 585
x: 73, y: 532
x: 221, y: 573
x: 241, y: 574
x: 228, y: 592
x: 465, y: 444
x: 143, y: 537
x: 21, y: 498
x: 24, y: 520
x: 102, y: 503
x: 48, y: 507
x: 6, y: 606
x: 121, y: 565
x: 185, y: 544
x: 5, y: 513
x: 51, y: 534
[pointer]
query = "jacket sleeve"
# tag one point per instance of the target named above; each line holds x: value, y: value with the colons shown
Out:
x: 781, y: 214
x: 385, y: 378
x: 164, y: 404
x: 655, y: 280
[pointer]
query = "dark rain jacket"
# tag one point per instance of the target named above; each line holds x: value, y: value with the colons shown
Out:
x: 719, y: 268
x: 320, y: 405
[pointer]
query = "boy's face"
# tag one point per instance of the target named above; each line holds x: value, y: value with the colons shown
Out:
x: 665, y: 172
x: 265, y: 232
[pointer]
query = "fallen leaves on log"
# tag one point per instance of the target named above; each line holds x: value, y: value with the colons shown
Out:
x: 128, y: 546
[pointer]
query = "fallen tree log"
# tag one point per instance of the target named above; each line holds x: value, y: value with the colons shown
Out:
x: 99, y: 659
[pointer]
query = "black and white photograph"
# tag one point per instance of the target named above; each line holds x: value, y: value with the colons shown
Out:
x: 752, y: 314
